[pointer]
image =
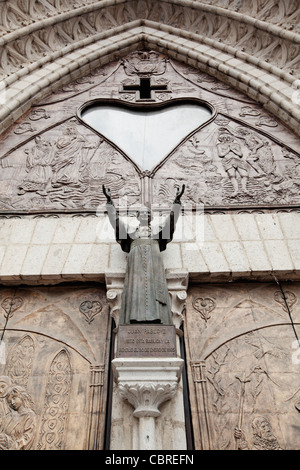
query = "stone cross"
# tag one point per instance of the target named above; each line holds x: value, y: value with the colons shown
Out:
x: 145, y: 89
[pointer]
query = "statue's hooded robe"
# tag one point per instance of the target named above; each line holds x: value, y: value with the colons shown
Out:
x: 145, y: 295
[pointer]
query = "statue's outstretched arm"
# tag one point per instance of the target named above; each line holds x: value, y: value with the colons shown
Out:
x: 111, y: 210
x: 113, y: 215
x: 179, y: 194
x: 107, y: 194
x: 167, y: 231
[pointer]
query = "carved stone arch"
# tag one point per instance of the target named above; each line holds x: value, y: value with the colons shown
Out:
x: 207, y: 26
x: 20, y: 359
x: 280, y: 51
x: 130, y: 27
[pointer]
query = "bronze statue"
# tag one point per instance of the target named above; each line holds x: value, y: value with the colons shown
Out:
x: 145, y: 296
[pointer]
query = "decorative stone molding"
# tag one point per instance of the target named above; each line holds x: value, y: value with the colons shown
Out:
x: 96, y: 402
x: 114, y: 283
x: 177, y: 286
x: 147, y: 397
x: 254, y: 48
x: 146, y: 383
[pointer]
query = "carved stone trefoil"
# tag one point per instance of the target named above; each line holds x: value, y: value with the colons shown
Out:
x: 287, y: 301
x: 10, y: 305
x: 204, y: 305
x: 90, y: 308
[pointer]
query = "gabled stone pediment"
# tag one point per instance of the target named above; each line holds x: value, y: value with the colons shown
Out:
x: 238, y: 157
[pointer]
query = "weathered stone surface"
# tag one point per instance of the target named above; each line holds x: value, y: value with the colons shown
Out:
x: 72, y: 252
x: 243, y: 358
x: 241, y: 157
x: 39, y: 53
x: 56, y: 360
x: 241, y: 171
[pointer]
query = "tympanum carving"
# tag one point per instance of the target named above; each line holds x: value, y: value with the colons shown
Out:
x: 241, y: 157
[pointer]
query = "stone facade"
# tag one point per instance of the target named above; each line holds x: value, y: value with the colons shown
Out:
x: 245, y: 366
x: 233, y: 266
x: 57, y: 365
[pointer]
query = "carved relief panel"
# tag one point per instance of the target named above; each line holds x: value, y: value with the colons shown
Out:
x: 53, y: 368
x: 238, y: 156
x: 243, y: 366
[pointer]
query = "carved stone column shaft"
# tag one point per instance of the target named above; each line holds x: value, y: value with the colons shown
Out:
x: 96, y: 397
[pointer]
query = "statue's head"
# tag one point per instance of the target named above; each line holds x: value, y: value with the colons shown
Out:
x: 144, y: 215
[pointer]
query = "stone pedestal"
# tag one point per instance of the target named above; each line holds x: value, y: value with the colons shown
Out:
x: 146, y: 383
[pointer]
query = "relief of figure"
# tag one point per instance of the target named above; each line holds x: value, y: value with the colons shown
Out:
x: 69, y: 158
x: 263, y: 437
x: 103, y: 161
x: 261, y: 157
x: 5, y: 384
x: 145, y: 295
x: 95, y: 171
x: 190, y: 156
x: 209, y: 167
x: 38, y: 167
x: 17, y: 428
x: 231, y: 153
x: 293, y: 170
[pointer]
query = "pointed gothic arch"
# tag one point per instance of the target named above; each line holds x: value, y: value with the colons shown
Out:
x: 69, y: 42
x: 52, y: 233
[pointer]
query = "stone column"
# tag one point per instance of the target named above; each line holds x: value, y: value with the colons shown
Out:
x: 146, y: 383
x: 95, y: 433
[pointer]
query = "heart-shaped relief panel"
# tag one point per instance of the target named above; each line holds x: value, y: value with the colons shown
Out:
x: 146, y: 134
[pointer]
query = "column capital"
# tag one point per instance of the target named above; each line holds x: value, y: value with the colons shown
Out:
x: 177, y: 281
x: 114, y: 284
x: 147, y: 382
